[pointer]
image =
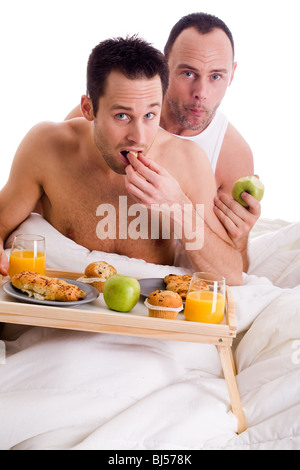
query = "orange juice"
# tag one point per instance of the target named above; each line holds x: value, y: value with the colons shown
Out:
x: 200, y: 307
x: 26, y: 260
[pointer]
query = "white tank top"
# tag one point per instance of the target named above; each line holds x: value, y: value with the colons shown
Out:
x: 211, y: 139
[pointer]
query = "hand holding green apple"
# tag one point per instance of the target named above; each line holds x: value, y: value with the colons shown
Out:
x: 248, y: 184
x: 121, y: 293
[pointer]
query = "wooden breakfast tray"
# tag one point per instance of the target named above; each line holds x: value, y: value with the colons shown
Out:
x: 96, y: 317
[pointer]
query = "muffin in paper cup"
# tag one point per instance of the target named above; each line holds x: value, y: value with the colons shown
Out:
x: 97, y: 273
x: 164, y: 304
x: 96, y: 282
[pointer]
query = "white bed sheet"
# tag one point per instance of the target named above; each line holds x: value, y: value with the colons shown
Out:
x: 74, y: 390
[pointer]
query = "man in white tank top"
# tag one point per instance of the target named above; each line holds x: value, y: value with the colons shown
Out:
x: 200, y: 53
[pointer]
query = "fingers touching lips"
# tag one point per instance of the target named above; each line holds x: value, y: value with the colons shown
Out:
x: 125, y: 153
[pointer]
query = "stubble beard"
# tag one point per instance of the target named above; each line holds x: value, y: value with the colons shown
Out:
x: 189, y: 122
x: 108, y: 156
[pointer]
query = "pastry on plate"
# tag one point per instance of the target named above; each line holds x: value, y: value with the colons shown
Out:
x: 181, y: 283
x: 46, y: 288
x: 96, y: 274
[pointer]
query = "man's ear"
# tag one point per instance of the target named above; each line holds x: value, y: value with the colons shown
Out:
x: 87, y: 108
x: 232, y: 73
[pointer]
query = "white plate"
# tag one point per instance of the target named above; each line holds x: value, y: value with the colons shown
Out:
x: 91, y: 294
x: 151, y: 284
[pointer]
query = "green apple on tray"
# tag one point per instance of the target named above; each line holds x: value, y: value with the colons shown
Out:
x: 248, y: 184
x: 121, y: 293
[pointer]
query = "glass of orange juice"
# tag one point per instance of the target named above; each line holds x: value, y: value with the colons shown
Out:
x: 205, y: 300
x: 27, y: 254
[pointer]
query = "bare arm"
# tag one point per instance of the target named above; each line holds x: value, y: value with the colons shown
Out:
x: 150, y: 184
x: 235, y: 161
x: 22, y: 190
x: 238, y: 220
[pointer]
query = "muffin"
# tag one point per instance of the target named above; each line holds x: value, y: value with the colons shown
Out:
x: 96, y: 274
x: 164, y: 304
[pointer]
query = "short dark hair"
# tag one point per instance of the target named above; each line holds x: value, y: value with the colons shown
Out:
x: 132, y: 56
x: 203, y: 22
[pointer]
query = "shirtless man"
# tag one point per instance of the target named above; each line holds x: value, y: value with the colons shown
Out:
x: 76, y: 166
x: 200, y: 53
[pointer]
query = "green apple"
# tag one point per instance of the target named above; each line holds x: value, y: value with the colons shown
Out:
x: 121, y: 293
x: 248, y: 184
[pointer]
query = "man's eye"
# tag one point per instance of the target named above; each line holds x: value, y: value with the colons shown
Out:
x: 121, y: 116
x: 216, y: 76
x: 149, y: 116
x: 188, y: 74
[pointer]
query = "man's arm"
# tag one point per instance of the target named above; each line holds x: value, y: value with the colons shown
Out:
x: 235, y: 161
x: 150, y: 183
x: 238, y: 220
x: 22, y: 191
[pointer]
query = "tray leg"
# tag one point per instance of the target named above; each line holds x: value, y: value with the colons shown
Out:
x: 228, y: 366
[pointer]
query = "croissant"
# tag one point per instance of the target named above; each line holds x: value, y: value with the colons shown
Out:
x: 46, y: 288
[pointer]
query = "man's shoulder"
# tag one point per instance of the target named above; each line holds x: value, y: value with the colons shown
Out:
x: 182, y: 157
x: 167, y: 140
x: 58, y: 131
x: 233, y: 138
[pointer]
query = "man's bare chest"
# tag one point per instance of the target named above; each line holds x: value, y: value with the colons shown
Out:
x: 103, y: 217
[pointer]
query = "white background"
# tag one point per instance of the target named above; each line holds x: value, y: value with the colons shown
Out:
x: 44, y: 47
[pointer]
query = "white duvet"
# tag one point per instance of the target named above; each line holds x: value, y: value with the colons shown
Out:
x: 71, y: 390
